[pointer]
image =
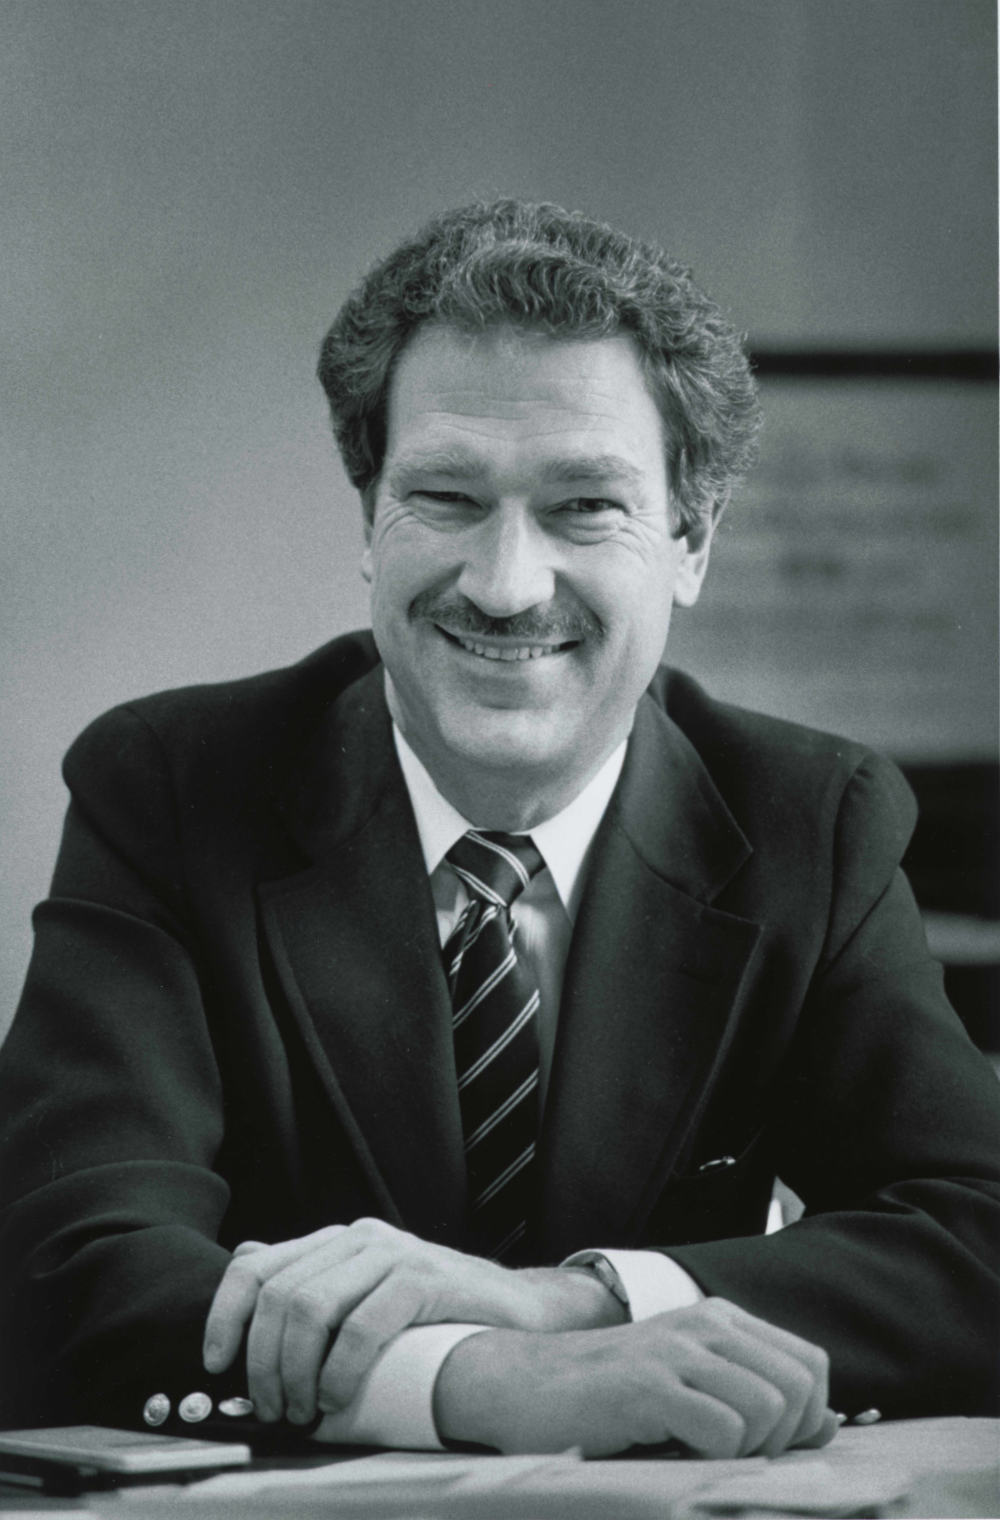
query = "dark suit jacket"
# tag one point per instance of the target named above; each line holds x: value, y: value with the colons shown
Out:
x: 236, y: 1025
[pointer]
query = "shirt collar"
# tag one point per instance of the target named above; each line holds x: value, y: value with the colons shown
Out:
x: 562, y: 841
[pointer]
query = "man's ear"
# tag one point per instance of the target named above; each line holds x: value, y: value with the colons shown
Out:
x: 367, y: 517
x: 696, y: 545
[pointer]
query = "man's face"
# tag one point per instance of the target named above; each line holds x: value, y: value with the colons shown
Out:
x: 521, y: 554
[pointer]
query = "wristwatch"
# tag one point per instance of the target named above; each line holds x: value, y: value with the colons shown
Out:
x: 606, y: 1275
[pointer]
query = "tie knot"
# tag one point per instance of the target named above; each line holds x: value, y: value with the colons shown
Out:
x: 495, y: 867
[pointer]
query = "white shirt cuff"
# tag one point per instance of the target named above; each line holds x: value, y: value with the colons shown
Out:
x: 653, y: 1282
x: 394, y: 1405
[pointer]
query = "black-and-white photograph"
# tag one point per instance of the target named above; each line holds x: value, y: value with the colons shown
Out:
x: 500, y: 954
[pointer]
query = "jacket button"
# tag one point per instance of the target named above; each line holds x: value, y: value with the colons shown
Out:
x: 195, y: 1407
x: 156, y: 1409
x: 236, y: 1407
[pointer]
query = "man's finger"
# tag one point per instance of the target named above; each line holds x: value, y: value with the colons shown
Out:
x: 236, y: 1296
x: 395, y: 1304
x: 232, y: 1306
x: 315, y: 1308
x: 709, y: 1426
x: 813, y: 1417
x: 796, y: 1368
x: 263, y: 1351
x: 797, y: 1391
x: 758, y: 1402
x: 828, y: 1427
x: 800, y: 1371
x: 800, y: 1395
x: 293, y: 1296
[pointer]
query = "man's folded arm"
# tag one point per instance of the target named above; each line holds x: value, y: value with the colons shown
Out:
x: 887, y: 1125
x: 394, y: 1405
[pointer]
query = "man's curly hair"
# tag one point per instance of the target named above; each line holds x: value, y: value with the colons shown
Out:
x: 509, y: 262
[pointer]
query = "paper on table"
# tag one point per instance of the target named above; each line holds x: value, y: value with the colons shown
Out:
x: 451, y: 1486
x: 436, y: 1486
x: 811, y: 1487
x: 418, y: 1472
x: 432, y: 1486
x: 864, y: 1470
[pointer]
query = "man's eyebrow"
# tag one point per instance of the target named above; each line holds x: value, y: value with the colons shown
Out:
x: 449, y: 462
x: 574, y: 469
x: 591, y: 469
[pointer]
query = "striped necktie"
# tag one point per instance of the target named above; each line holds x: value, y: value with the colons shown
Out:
x: 494, y: 1016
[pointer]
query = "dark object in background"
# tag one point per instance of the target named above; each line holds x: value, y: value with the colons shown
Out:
x: 954, y: 865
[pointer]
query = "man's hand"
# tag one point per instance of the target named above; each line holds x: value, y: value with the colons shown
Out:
x: 364, y: 1283
x: 722, y: 1381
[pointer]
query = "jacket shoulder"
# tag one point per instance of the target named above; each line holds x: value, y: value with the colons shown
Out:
x: 254, y: 718
x: 780, y: 778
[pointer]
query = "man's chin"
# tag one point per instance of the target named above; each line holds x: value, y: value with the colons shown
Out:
x: 501, y: 742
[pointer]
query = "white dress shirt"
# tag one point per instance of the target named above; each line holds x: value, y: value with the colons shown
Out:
x: 394, y: 1404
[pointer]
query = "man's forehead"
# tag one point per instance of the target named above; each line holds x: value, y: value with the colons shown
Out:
x: 580, y: 406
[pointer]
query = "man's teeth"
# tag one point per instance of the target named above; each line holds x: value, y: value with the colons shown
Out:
x: 508, y: 652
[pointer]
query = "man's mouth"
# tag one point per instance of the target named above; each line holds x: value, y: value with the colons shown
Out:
x: 514, y: 651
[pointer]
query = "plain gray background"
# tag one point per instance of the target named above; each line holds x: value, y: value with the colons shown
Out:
x: 190, y: 187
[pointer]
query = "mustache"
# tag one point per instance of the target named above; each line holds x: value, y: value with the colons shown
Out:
x: 459, y: 615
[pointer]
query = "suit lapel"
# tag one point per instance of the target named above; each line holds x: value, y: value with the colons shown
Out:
x: 649, y: 1000
x: 354, y: 942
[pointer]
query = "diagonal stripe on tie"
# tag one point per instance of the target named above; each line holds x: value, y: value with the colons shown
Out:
x: 524, y: 1091
x: 506, y: 1246
x: 480, y: 888
x: 495, y: 977
x: 492, y: 1052
x: 495, y: 843
x: 468, y: 929
x: 507, y: 1175
x: 495, y: 1004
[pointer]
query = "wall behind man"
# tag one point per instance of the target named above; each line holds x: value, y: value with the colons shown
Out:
x: 190, y: 189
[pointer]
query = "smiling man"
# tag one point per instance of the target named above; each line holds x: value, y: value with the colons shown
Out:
x: 414, y: 1036
x: 524, y: 556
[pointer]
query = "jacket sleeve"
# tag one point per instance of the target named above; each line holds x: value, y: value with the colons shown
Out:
x: 111, y: 1109
x: 886, y: 1122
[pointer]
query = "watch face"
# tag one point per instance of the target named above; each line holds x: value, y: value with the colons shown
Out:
x: 606, y: 1274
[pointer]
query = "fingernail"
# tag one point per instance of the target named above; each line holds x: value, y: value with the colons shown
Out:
x: 298, y: 1415
x: 213, y: 1357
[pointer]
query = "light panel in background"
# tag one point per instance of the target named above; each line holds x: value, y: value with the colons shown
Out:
x: 853, y: 586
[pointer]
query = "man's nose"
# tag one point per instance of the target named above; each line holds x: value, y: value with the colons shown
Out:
x: 508, y: 564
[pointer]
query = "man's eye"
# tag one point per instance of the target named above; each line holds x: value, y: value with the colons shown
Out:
x: 446, y: 497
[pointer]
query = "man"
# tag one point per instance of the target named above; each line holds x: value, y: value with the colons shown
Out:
x: 403, y: 1024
